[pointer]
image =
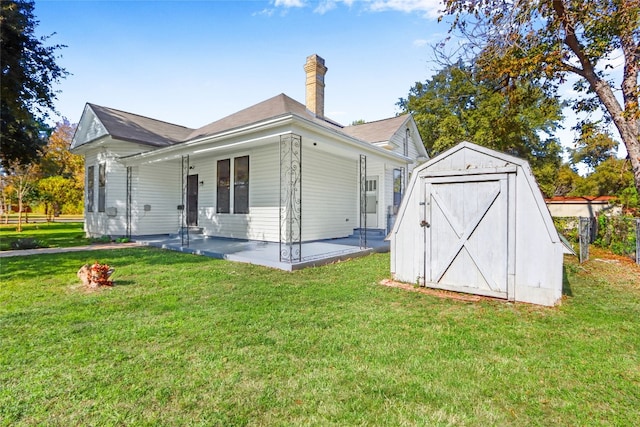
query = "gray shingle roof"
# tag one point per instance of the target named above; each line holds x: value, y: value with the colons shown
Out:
x: 279, y: 105
x: 135, y: 128
x: 378, y: 131
x: 156, y: 133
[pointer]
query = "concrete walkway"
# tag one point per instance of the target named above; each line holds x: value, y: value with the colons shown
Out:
x: 94, y: 247
x: 248, y: 251
x: 267, y: 254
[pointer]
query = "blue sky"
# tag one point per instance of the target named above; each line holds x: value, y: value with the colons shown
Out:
x: 193, y: 62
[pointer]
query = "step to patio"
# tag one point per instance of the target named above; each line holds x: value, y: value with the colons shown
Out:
x: 189, y: 230
x: 370, y: 232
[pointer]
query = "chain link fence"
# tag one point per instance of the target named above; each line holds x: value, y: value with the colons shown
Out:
x: 619, y: 234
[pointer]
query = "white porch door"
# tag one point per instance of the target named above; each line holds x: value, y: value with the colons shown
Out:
x: 372, y: 201
x: 466, y: 234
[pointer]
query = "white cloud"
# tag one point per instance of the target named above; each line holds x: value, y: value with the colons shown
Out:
x: 289, y: 3
x: 420, y: 42
x: 264, y: 12
x: 325, y: 6
x: 430, y: 8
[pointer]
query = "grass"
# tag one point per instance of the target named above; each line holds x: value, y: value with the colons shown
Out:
x: 187, y: 340
x: 46, y: 234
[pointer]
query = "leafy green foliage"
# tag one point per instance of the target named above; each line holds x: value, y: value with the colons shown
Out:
x: 566, y: 181
x: 457, y: 105
x: 545, y: 40
x: 609, y: 178
x: 593, y: 147
x: 617, y: 233
x: 29, y: 72
x: 56, y: 191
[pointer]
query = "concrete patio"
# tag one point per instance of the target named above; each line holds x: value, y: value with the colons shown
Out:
x: 267, y: 253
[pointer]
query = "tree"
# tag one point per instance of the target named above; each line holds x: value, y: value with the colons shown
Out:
x: 593, y: 147
x: 21, y: 179
x: 546, y: 40
x: 456, y: 105
x: 56, y: 191
x: 56, y: 157
x: 29, y: 71
x: 609, y: 178
x: 566, y: 181
x: 61, y: 173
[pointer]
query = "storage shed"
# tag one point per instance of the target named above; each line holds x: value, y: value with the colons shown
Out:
x: 474, y: 220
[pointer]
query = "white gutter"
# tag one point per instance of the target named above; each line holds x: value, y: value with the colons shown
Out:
x: 175, y: 150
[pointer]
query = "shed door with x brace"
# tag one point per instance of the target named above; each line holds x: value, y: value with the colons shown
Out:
x: 467, y: 223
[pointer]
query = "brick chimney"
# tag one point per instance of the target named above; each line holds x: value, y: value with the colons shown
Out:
x: 315, y: 70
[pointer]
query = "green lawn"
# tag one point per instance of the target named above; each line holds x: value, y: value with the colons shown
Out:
x: 47, y: 234
x: 187, y: 340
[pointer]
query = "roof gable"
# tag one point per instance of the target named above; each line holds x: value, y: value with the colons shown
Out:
x: 467, y: 155
x: 279, y: 105
x: 89, y: 128
x: 130, y: 127
x: 378, y: 131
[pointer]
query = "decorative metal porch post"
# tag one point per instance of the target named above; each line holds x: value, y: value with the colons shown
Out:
x: 184, y: 230
x: 129, y: 199
x: 363, y: 201
x: 290, y: 198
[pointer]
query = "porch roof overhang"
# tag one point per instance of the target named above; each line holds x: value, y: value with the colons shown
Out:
x: 255, y: 134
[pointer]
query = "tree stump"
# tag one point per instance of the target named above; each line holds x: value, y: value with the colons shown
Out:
x: 96, y: 275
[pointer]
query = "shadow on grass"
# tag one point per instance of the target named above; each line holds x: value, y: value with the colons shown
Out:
x: 566, y: 285
x: 44, y: 265
x: 117, y: 283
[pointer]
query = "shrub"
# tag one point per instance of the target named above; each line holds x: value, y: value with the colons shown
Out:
x: 617, y: 233
x: 101, y: 239
x: 27, y: 243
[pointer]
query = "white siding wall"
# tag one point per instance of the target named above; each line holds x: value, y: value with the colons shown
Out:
x: 158, y: 185
x: 116, y: 197
x: 264, y: 174
x: 398, y: 140
x: 102, y: 223
x: 93, y: 221
x: 99, y: 223
x: 378, y: 169
x: 388, y: 195
x: 329, y: 195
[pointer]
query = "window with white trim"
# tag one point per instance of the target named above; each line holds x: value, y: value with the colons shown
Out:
x: 90, y: 187
x: 236, y: 189
x: 102, y: 186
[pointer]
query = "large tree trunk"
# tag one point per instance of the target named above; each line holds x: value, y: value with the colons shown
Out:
x: 625, y: 120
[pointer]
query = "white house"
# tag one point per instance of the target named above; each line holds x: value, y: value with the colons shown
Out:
x: 474, y: 220
x: 277, y: 171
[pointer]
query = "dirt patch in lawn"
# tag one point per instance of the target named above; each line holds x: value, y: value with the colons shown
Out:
x: 612, y: 268
x: 437, y: 292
